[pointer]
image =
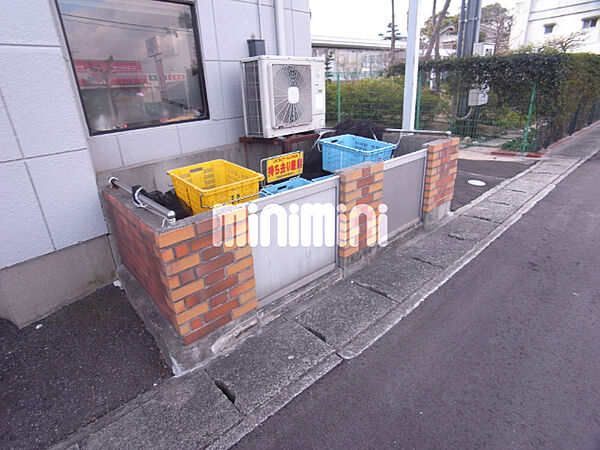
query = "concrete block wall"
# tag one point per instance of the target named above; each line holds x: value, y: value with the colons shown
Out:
x: 197, y: 286
x: 440, y: 175
x: 361, y: 193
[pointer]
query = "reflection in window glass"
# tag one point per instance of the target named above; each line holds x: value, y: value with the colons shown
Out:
x: 135, y: 61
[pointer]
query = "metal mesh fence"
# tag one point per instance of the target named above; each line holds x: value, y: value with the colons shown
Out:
x: 480, y: 115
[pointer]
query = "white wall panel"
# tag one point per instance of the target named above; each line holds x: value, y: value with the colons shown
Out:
x: 208, y: 34
x: 232, y: 89
x: 23, y: 233
x: 66, y: 187
x: 37, y: 89
x: 212, y: 71
x: 104, y: 150
x: 302, y: 45
x: 289, y: 33
x: 147, y: 144
x: 235, y: 129
x: 235, y: 23
x: 29, y: 23
x: 301, y: 5
x: 205, y: 134
x: 9, y: 148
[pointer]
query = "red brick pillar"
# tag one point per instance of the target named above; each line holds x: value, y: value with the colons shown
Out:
x: 442, y: 161
x: 197, y: 286
x: 361, y: 194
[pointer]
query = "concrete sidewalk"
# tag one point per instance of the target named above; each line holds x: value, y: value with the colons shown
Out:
x: 219, y: 404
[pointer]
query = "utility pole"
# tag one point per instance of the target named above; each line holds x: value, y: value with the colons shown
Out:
x: 471, y: 27
x: 412, y: 67
x: 468, y: 35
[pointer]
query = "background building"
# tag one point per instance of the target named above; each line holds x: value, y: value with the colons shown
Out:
x: 358, y: 57
x: 536, y: 21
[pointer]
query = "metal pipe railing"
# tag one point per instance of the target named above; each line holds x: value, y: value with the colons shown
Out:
x: 141, y: 201
x: 400, y: 130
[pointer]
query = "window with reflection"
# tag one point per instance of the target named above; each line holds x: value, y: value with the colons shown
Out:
x: 137, y: 62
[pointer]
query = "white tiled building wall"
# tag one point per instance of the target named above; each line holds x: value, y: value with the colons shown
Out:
x: 48, y: 160
x: 49, y: 197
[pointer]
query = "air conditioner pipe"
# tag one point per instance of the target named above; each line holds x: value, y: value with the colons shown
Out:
x: 141, y: 201
x: 260, y: 20
x: 280, y: 27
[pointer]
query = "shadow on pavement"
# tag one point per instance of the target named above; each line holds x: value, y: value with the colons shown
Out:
x: 82, y: 362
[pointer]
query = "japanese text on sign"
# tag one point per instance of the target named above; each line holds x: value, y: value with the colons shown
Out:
x: 284, y: 166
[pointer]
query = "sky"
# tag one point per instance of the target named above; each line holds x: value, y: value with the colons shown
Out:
x: 367, y: 18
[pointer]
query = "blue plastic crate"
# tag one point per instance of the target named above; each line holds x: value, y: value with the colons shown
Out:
x: 292, y: 183
x: 348, y: 150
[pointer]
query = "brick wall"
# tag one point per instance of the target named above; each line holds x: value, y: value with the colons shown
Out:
x: 198, y: 287
x: 361, y: 187
x: 442, y: 161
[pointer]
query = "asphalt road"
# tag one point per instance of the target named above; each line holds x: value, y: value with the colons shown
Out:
x: 505, y: 355
x: 491, y: 172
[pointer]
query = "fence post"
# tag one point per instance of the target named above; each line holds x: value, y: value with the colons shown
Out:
x: 418, y: 108
x: 528, y: 123
x: 339, y: 99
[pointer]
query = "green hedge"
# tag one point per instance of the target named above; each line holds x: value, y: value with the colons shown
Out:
x: 568, y: 85
x: 378, y: 99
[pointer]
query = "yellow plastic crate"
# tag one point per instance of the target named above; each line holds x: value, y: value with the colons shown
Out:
x: 216, y: 182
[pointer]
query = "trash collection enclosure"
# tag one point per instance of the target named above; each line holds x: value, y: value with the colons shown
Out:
x: 210, y: 290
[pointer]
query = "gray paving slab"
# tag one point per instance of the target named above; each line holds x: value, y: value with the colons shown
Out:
x: 580, y: 146
x: 344, y: 311
x: 530, y: 187
x: 468, y: 228
x: 438, y: 249
x: 508, y: 197
x: 396, y: 274
x: 188, y: 413
x: 550, y: 167
x: 263, y: 365
x: 538, y: 177
x: 559, y: 161
x: 495, y: 212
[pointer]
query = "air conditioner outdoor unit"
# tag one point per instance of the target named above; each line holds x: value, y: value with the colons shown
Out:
x: 283, y: 95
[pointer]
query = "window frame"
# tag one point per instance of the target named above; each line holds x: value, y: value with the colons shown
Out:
x: 550, y: 26
x: 201, y: 76
x: 589, y: 20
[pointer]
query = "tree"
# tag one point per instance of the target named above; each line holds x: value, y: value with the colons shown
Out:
x: 558, y: 44
x: 564, y: 44
x: 388, y: 34
x: 427, y: 30
x: 328, y: 64
x: 498, y: 18
x: 430, y: 34
x: 393, y: 37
